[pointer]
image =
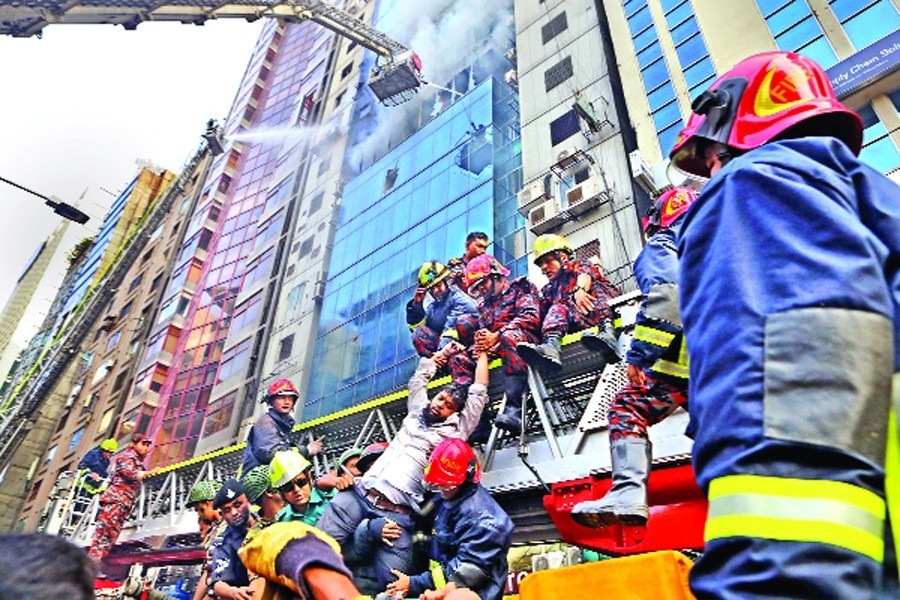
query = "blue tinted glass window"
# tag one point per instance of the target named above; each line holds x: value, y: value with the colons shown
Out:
x: 649, y: 54
x: 668, y: 5
x: 785, y: 18
x: 655, y: 74
x: 767, y: 7
x: 564, y: 127
x: 844, y: 9
x: 644, y: 38
x: 667, y: 137
x: 820, y: 51
x: 871, y: 24
x: 699, y: 72
x: 692, y: 50
x: 678, y: 15
x: 799, y: 35
x: 667, y: 115
x: 661, y: 96
x: 879, y: 149
x: 684, y: 31
x: 640, y: 21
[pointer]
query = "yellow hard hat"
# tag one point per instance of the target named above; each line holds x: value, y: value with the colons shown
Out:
x: 285, y: 466
x: 110, y: 445
x: 431, y: 273
x: 547, y: 243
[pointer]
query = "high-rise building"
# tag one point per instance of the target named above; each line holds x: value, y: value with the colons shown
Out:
x: 85, y: 403
x: 217, y: 305
x: 669, y: 51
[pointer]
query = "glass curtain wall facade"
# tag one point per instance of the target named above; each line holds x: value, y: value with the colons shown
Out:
x: 458, y: 173
x: 213, y: 266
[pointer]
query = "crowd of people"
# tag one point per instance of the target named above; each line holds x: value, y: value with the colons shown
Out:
x: 783, y: 277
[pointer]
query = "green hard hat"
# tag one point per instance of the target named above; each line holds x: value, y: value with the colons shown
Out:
x: 110, y: 445
x: 203, y: 491
x: 348, y: 454
x: 255, y: 482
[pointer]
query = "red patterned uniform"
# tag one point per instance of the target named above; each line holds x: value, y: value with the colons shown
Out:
x: 561, y: 316
x: 116, y: 502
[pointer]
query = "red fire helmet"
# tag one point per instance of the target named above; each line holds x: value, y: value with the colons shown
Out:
x: 759, y: 100
x: 668, y: 207
x: 452, y: 463
x: 282, y: 387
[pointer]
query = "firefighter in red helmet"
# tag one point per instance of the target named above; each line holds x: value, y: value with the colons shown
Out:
x: 273, y: 431
x: 657, y: 370
x: 472, y: 533
x: 790, y: 298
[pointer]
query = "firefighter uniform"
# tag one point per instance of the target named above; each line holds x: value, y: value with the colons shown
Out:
x: 790, y: 294
x: 271, y: 433
x: 658, y: 346
x: 560, y: 314
x: 116, y: 502
x: 455, y: 317
x: 516, y: 314
x: 93, y: 463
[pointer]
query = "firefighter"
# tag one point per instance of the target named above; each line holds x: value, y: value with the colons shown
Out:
x: 118, y: 499
x: 790, y: 296
x: 291, y: 474
x: 229, y: 576
x: 657, y: 370
x: 259, y: 491
x: 575, y: 298
x: 451, y: 316
x: 393, y: 486
x: 273, y: 431
x: 93, y: 467
x: 472, y: 534
x: 510, y: 315
x: 200, y: 499
x: 476, y: 245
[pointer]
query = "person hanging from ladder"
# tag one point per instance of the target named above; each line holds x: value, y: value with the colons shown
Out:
x: 657, y: 370
x: 510, y: 315
x: 575, y: 298
x: 393, y: 486
x: 452, y: 316
x: 790, y: 297
x: 476, y: 245
x: 119, y: 498
x: 472, y: 533
x: 273, y: 431
x: 93, y: 468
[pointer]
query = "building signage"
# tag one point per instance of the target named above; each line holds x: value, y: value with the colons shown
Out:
x: 866, y: 66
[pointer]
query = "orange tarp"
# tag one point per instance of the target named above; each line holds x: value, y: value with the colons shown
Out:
x: 650, y: 576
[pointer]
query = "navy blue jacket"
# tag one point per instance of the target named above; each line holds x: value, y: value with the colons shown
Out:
x: 270, y: 434
x: 95, y: 462
x: 471, y: 539
x: 658, y: 345
x: 790, y: 287
x: 226, y: 565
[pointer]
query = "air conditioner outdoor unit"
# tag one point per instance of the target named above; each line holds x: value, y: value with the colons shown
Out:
x: 586, y: 190
x: 641, y: 172
x: 546, y: 211
x: 531, y: 195
x: 512, y: 78
x: 319, y: 291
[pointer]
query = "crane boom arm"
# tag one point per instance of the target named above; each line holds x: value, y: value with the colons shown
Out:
x: 27, y: 19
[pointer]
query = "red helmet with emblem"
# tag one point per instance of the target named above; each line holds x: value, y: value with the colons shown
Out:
x: 452, y: 463
x: 481, y: 267
x: 759, y: 100
x: 282, y: 387
x: 667, y: 208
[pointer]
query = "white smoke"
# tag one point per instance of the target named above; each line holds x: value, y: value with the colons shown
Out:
x: 447, y: 35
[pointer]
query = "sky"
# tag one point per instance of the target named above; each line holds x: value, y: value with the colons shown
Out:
x: 80, y: 107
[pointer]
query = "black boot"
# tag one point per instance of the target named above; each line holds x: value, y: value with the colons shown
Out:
x: 603, y: 341
x: 626, y: 502
x: 513, y: 389
x: 544, y: 356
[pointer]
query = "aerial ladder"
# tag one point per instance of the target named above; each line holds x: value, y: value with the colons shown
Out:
x: 396, y: 77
